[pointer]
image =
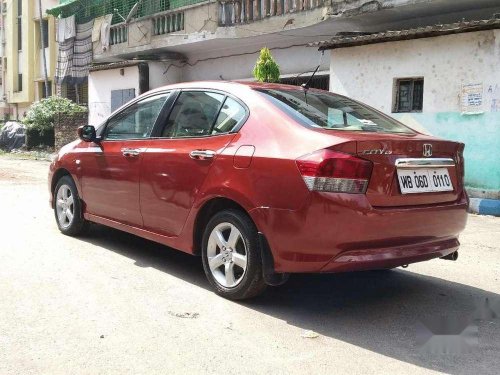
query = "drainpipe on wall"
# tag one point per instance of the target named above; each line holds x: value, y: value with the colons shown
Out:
x: 2, y: 49
x: 45, y: 76
x: 143, y: 77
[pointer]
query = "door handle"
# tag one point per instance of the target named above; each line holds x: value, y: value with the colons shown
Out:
x: 133, y: 152
x: 202, y: 154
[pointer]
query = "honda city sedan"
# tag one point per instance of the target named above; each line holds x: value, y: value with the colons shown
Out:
x: 264, y: 180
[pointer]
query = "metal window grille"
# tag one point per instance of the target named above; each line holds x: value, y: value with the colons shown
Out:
x: 78, y: 94
x: 85, y: 10
x: 409, y: 95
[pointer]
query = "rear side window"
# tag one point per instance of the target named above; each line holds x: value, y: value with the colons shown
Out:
x: 333, y: 112
x: 193, y: 115
x: 231, y: 115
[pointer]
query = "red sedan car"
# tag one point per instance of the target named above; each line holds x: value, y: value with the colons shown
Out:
x: 264, y: 180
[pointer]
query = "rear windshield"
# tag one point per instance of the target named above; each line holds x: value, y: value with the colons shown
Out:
x: 330, y: 111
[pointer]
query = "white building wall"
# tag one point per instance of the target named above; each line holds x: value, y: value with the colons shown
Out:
x: 367, y: 72
x: 292, y: 60
x: 158, y: 77
x: 103, y: 81
x: 100, y: 85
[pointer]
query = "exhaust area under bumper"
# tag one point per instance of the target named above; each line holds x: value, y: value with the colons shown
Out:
x: 370, y: 259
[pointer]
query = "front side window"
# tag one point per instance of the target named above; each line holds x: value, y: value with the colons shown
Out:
x: 193, y: 115
x: 137, y: 120
x: 332, y: 112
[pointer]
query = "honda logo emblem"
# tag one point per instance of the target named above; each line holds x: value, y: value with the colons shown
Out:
x: 427, y: 150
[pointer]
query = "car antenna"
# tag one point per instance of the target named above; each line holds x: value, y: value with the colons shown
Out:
x: 305, y: 86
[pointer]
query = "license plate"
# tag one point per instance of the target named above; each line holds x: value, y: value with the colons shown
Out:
x: 424, y: 180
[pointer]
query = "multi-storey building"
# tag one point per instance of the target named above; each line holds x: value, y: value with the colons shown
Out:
x: 22, y: 63
x: 4, y: 112
x: 154, y: 42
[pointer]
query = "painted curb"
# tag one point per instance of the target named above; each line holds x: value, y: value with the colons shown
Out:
x: 484, y: 206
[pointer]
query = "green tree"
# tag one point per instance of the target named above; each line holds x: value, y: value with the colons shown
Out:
x: 42, y: 115
x: 266, y: 69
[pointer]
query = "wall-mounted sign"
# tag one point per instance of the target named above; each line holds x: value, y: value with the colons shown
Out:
x: 472, y: 99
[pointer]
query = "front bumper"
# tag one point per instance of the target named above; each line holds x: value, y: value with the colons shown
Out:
x: 343, y: 232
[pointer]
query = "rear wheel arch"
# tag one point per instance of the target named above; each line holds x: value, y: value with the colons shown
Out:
x: 206, y: 212
x: 215, y: 205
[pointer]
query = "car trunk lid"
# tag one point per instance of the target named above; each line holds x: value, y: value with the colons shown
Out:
x: 385, y: 150
x: 415, y: 153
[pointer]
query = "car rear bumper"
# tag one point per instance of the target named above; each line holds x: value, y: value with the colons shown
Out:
x: 369, y: 259
x: 342, y: 232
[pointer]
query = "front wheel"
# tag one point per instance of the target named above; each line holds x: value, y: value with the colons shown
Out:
x: 68, y: 208
x: 231, y: 256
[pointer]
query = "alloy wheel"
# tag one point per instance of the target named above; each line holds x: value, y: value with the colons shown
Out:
x: 227, y: 255
x: 65, y: 206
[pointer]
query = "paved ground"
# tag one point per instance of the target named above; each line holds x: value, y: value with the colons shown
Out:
x: 112, y: 303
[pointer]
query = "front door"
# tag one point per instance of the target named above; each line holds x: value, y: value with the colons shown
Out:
x: 111, y: 169
x: 201, y: 124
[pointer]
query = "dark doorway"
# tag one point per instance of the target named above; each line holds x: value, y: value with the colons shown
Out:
x: 317, y: 82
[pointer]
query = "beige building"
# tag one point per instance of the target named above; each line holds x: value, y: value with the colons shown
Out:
x: 22, y: 62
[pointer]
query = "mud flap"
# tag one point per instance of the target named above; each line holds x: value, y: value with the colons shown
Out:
x: 270, y: 277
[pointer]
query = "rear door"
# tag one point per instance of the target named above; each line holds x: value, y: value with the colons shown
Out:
x: 111, y: 169
x: 201, y: 123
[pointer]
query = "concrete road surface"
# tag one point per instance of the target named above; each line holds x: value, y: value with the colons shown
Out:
x: 112, y: 303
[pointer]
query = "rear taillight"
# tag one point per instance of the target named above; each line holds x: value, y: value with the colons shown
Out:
x: 331, y: 171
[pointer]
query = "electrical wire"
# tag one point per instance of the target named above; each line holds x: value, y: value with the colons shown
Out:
x: 187, y: 63
x: 282, y: 33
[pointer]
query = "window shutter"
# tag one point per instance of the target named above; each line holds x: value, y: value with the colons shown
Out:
x: 120, y: 97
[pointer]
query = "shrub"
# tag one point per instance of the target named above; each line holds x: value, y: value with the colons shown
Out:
x: 266, y: 69
x: 42, y: 115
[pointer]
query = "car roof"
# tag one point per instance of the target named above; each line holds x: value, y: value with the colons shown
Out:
x: 227, y: 86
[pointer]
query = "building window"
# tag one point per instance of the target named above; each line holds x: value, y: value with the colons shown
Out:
x: 42, y: 89
x: 19, y: 34
x: 409, y: 95
x: 19, y: 82
x: 45, y: 26
x: 120, y: 97
x: 19, y: 25
x: 76, y: 93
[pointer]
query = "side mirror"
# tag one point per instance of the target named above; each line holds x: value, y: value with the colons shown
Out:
x: 87, y: 133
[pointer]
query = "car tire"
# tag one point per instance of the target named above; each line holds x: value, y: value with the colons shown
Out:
x: 231, y: 255
x: 68, y: 208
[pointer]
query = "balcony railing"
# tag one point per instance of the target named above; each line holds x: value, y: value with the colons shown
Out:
x: 168, y: 23
x: 233, y: 12
x: 163, y: 23
x: 118, y: 34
